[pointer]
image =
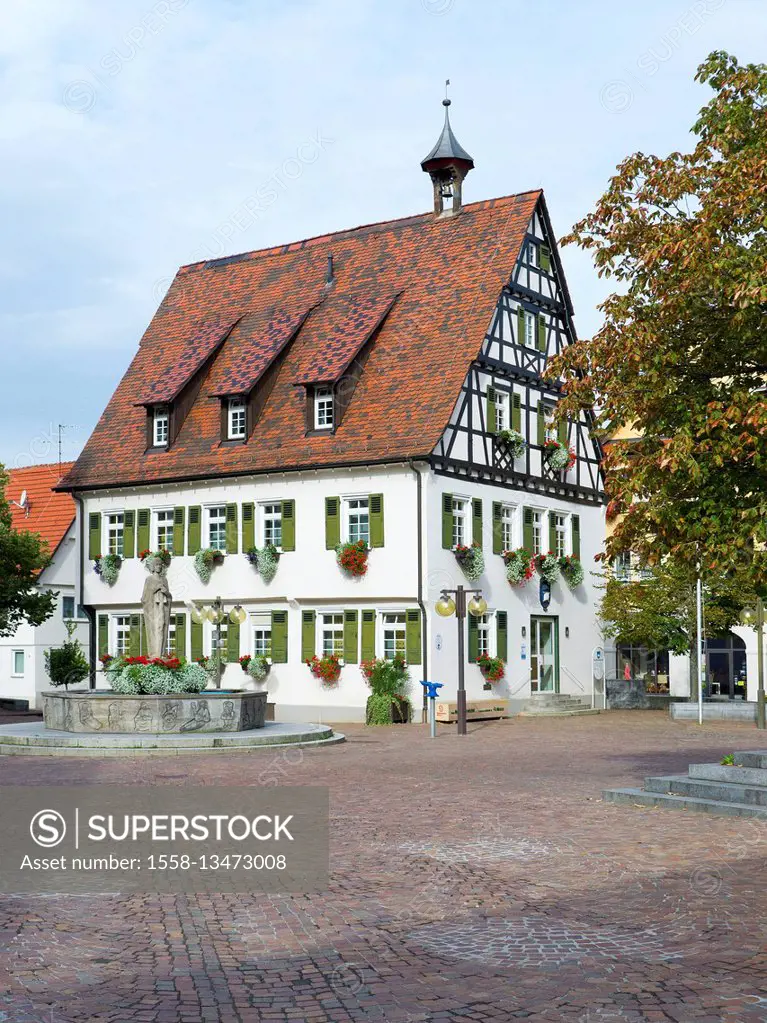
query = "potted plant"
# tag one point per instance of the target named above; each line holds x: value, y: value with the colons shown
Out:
x: 558, y: 455
x: 513, y: 441
x: 107, y: 567
x: 353, y: 557
x: 519, y: 566
x: 471, y: 560
x: 326, y: 668
x: 547, y: 566
x: 493, y: 669
x: 572, y: 570
x: 148, y: 557
x: 264, y: 560
x: 388, y: 680
x: 205, y: 561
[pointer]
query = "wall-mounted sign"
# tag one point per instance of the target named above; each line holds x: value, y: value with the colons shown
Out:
x: 438, y: 641
x: 523, y: 652
x: 544, y: 594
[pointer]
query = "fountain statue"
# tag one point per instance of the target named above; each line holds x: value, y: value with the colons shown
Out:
x: 155, y: 603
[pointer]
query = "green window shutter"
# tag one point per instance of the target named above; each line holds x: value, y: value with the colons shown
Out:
x: 541, y: 424
x: 541, y: 335
x: 231, y: 529
x: 502, y: 634
x: 288, y: 525
x: 473, y: 638
x: 368, y: 648
x: 447, y: 521
x: 490, y: 425
x: 351, y: 636
x: 332, y: 522
x: 134, y: 636
x: 103, y: 635
x: 527, y: 529
x: 562, y: 431
x: 516, y: 412
x: 180, y: 641
x: 232, y: 641
x: 376, y: 520
x: 248, y: 526
x: 279, y: 637
x: 552, y: 532
x: 520, y: 326
x: 307, y: 635
x: 142, y: 531
x: 194, y: 534
x: 195, y: 631
x: 545, y: 254
x: 413, y: 637
x: 575, y: 525
x: 497, y: 536
x: 144, y: 643
x: 94, y: 535
x: 129, y: 535
x: 476, y: 520
x: 178, y: 533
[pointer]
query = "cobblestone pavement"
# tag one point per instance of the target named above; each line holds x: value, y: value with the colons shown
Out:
x: 478, y: 878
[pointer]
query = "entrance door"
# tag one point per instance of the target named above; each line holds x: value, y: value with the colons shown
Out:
x: 726, y: 667
x: 544, y: 655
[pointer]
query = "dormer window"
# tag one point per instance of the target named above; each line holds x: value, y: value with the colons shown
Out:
x: 324, y: 418
x: 236, y: 419
x: 160, y: 426
x: 532, y: 253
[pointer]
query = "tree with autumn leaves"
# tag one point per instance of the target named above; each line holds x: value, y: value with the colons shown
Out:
x: 682, y: 356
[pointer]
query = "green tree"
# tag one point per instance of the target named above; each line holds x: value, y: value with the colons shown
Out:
x: 23, y: 556
x: 660, y: 611
x: 682, y: 355
x: 67, y: 665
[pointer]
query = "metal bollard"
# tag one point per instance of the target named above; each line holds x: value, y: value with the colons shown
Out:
x: 431, y: 694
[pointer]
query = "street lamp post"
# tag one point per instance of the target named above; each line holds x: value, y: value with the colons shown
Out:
x: 447, y: 606
x: 215, y: 614
x: 755, y: 618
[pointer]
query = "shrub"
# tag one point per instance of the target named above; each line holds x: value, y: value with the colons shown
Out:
x: 67, y: 665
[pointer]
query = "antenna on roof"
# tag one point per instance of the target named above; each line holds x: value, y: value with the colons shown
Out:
x: 23, y: 503
x: 62, y: 427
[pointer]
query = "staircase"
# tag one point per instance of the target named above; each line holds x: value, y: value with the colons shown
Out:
x: 739, y: 791
x: 556, y: 705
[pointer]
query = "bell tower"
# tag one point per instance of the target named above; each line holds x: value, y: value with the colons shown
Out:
x: 447, y: 165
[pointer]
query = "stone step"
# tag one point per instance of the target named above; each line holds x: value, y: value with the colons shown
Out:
x: 718, y: 807
x: 728, y: 792
x: 739, y: 775
x: 752, y: 758
x: 558, y: 713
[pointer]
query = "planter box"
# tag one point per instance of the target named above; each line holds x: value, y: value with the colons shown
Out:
x: 476, y: 710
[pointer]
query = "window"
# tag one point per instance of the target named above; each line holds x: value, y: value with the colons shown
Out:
x: 18, y: 662
x: 460, y: 507
x: 261, y: 625
x: 163, y: 530
x: 394, y: 633
x: 357, y: 519
x: 501, y: 411
x: 160, y: 426
x: 121, y: 643
x: 508, y: 521
x: 622, y: 566
x: 212, y: 639
x: 550, y: 425
x: 171, y: 645
x: 332, y: 639
x: 483, y: 634
x: 530, y: 328
x: 537, y: 517
x: 560, y: 534
x: 323, y: 408
x: 216, y: 519
x: 532, y: 253
x: 271, y: 518
x: 114, y: 542
x: 68, y: 609
x: 236, y: 419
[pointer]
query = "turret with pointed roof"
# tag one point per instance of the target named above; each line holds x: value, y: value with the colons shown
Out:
x: 447, y: 165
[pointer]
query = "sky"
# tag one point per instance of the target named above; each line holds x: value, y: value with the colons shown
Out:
x: 139, y: 136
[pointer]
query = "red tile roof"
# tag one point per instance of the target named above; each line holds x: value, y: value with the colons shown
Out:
x: 50, y: 513
x: 176, y: 364
x: 450, y: 271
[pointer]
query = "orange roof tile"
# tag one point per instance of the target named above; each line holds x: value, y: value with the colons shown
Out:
x: 449, y: 271
x: 49, y: 513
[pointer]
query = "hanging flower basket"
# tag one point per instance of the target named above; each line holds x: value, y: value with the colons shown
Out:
x: 519, y: 566
x: 258, y: 668
x: 108, y: 567
x: 513, y: 441
x: 327, y: 669
x: 265, y: 560
x: 150, y: 558
x: 559, y: 456
x: 471, y: 559
x: 493, y: 669
x: 205, y: 561
x: 572, y: 570
x: 547, y: 566
x: 353, y: 557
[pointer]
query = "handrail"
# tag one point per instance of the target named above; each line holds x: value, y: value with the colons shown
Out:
x: 525, y: 679
x: 566, y: 670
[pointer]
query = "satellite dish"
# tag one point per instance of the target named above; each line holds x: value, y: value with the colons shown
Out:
x: 23, y: 499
